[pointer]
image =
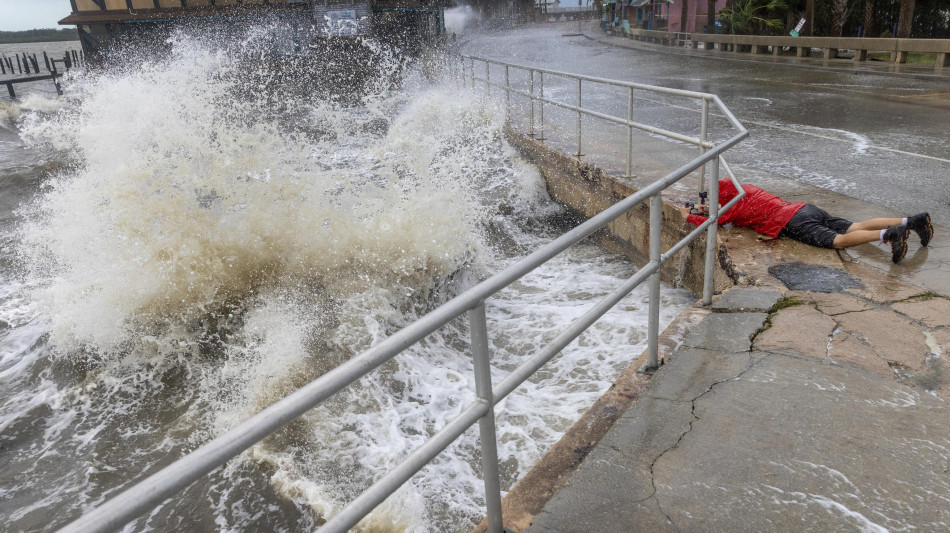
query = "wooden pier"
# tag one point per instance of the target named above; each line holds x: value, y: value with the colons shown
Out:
x: 27, y: 69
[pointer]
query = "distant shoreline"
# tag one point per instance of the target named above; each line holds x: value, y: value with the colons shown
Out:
x: 38, y: 36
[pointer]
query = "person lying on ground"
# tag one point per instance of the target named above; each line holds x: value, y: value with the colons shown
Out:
x: 770, y: 215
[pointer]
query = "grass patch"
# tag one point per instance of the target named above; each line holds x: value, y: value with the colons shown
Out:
x: 788, y: 301
x: 925, y: 296
x: 914, y: 58
x: 784, y: 303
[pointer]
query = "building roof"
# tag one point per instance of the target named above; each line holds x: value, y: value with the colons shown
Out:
x: 121, y: 16
x: 155, y: 15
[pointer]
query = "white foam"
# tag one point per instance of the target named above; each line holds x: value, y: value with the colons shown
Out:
x: 204, y: 255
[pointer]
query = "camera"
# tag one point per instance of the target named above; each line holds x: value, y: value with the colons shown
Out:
x: 697, y: 210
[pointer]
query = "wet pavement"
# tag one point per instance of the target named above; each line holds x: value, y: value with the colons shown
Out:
x: 778, y: 410
x: 810, y: 397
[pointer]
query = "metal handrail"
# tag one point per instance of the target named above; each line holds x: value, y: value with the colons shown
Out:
x: 533, y: 72
x: 151, y: 491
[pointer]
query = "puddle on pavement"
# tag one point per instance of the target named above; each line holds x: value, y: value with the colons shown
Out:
x: 813, y: 278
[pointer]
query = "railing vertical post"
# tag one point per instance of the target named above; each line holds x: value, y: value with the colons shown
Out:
x: 507, y: 94
x: 708, y: 281
x: 471, y: 65
x: 702, y: 149
x: 541, y: 107
x: 653, y: 322
x: 486, y: 424
x: 579, y: 152
x: 531, y: 92
x: 629, y: 132
x: 488, y: 78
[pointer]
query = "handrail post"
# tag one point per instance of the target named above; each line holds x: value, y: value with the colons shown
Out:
x: 531, y: 92
x: 541, y: 107
x: 702, y: 149
x: 653, y: 323
x: 579, y: 153
x: 629, y: 132
x: 507, y: 94
x: 486, y: 424
x: 471, y: 68
x: 712, y: 232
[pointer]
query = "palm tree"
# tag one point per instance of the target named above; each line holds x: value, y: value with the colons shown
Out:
x: 750, y: 16
x: 839, y: 15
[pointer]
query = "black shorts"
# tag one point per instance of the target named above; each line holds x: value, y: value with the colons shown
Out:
x: 813, y: 225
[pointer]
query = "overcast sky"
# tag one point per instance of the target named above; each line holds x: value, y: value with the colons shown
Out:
x: 17, y: 15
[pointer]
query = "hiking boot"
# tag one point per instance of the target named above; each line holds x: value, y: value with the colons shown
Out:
x: 897, y: 236
x: 920, y: 223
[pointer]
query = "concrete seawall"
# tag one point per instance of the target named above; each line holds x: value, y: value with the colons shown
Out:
x: 587, y: 190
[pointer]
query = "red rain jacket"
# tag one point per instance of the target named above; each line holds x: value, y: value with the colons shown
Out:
x: 758, y: 210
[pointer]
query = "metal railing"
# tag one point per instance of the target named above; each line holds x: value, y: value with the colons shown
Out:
x: 174, y: 478
x: 554, y: 10
x: 536, y: 78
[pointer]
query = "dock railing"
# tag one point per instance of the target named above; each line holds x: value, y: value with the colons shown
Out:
x: 153, y: 490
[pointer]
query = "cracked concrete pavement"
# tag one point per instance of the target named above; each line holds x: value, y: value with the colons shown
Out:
x: 780, y: 410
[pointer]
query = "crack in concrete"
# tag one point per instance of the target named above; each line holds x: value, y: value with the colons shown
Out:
x: 752, y: 364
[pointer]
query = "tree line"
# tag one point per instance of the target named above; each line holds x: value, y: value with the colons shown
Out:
x: 39, y: 36
x: 922, y: 19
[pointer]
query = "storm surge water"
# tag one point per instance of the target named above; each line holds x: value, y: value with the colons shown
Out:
x: 203, y: 244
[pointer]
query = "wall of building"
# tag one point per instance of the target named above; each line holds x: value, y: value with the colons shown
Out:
x: 696, y: 19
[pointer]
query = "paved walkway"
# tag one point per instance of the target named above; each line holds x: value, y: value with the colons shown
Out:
x: 810, y: 400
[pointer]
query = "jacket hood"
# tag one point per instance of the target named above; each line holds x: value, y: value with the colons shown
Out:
x: 727, y: 191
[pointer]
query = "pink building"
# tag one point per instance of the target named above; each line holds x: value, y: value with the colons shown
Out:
x: 663, y: 15
x: 696, y: 18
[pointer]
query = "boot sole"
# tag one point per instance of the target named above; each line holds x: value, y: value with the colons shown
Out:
x: 899, y: 254
x: 927, y: 233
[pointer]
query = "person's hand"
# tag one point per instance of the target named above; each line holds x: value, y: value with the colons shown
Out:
x: 685, y: 211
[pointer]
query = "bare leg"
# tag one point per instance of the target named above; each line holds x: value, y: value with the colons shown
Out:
x: 873, y: 224
x: 855, y: 237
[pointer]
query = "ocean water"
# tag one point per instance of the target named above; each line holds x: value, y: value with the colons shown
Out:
x: 187, y: 241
